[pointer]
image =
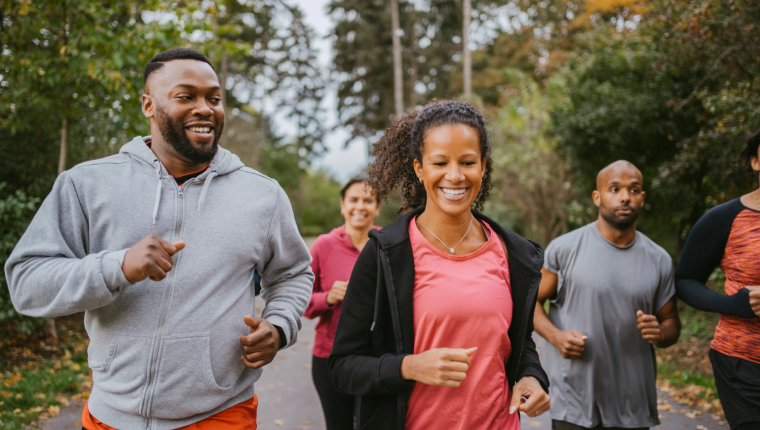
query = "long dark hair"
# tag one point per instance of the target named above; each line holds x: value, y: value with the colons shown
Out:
x: 402, y: 144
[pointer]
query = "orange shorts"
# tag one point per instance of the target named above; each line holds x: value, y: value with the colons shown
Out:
x: 239, y: 417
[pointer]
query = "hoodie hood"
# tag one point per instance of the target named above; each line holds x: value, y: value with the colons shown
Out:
x: 223, y: 162
x: 339, y: 233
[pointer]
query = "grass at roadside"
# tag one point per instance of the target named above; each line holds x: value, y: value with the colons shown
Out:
x: 684, y: 369
x: 40, y: 380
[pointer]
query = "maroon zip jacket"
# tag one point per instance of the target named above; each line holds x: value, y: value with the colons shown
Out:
x: 333, y: 257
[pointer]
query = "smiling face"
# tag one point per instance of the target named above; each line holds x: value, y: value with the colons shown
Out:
x: 183, y: 100
x: 359, y: 208
x: 451, y: 168
x: 619, y: 194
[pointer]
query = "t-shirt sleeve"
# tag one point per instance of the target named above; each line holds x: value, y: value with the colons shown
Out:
x: 555, y: 256
x: 667, y: 288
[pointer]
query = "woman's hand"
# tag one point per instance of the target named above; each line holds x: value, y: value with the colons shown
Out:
x: 336, y: 293
x: 537, y: 401
x: 754, y: 299
x: 443, y: 367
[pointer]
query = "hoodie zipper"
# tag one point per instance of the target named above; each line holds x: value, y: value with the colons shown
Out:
x: 148, y: 399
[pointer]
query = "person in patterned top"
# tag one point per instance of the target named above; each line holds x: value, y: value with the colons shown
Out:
x: 728, y: 236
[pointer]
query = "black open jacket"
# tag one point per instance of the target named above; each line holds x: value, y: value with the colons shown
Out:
x: 376, y: 325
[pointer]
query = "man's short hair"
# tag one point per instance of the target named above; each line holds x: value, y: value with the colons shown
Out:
x: 157, y: 62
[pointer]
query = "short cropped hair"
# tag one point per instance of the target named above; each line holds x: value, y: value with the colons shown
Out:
x: 157, y: 62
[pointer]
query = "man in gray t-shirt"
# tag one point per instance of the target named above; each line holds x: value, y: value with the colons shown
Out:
x: 611, y: 296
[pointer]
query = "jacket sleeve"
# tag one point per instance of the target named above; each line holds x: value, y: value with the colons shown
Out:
x: 530, y: 364
x: 353, y: 368
x: 286, y: 277
x: 50, y: 272
x: 703, y: 252
x: 318, y: 303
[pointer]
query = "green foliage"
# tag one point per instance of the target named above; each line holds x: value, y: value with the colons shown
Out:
x: 532, y: 183
x: 16, y: 211
x: 321, y: 195
x: 41, y: 390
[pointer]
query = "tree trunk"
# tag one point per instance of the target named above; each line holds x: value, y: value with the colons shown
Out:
x: 467, y: 60
x: 223, y: 79
x: 398, y: 89
x: 413, y: 61
x: 50, y: 328
x: 64, y: 141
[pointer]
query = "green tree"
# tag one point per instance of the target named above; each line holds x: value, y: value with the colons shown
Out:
x: 532, y: 191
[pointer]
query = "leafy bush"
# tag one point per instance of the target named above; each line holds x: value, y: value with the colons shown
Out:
x: 16, y: 211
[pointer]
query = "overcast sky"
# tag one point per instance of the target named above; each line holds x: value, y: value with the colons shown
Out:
x: 340, y: 161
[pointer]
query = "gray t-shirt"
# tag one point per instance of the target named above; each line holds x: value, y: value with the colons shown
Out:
x: 601, y: 287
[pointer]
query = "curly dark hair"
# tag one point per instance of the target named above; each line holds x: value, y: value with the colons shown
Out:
x: 402, y: 144
x: 745, y: 157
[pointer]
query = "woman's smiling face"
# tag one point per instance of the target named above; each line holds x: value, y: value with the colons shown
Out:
x: 451, y: 168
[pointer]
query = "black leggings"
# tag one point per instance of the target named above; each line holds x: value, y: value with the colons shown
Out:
x: 738, y: 383
x: 338, y: 407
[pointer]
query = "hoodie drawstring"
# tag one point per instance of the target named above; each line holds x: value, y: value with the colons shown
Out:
x: 205, y: 188
x: 157, y: 165
x: 377, y: 290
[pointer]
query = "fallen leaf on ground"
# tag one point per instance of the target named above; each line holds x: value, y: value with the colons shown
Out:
x: 54, y: 411
x: 278, y: 422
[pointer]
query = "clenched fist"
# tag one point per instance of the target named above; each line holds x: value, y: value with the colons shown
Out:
x: 570, y: 344
x: 259, y: 347
x: 754, y: 299
x: 336, y: 293
x: 150, y: 258
x: 649, y: 327
x: 443, y: 367
x: 529, y: 397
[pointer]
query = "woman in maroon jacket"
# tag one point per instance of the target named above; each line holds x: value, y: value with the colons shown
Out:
x: 334, y: 255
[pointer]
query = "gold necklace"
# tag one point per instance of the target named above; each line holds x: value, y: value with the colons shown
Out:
x: 757, y: 200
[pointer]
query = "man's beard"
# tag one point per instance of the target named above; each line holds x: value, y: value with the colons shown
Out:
x: 175, y: 135
x: 619, y: 223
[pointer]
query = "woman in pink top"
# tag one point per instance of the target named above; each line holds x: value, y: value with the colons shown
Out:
x: 436, y: 329
x: 333, y: 257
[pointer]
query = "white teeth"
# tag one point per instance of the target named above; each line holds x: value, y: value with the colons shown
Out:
x: 454, y: 191
x: 201, y: 129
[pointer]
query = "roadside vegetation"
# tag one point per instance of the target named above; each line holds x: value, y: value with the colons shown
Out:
x: 684, y: 369
x: 38, y: 379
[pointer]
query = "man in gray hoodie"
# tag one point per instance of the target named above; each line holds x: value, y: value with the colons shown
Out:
x: 157, y: 245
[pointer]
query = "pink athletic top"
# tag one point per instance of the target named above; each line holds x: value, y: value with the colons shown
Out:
x: 463, y: 302
x: 333, y: 256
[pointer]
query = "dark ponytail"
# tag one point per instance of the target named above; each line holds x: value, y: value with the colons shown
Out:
x: 402, y: 144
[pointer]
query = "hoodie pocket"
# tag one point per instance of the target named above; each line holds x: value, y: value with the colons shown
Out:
x: 185, y: 384
x: 120, y: 377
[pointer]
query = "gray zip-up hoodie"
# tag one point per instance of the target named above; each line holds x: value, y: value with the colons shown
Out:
x: 163, y: 354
